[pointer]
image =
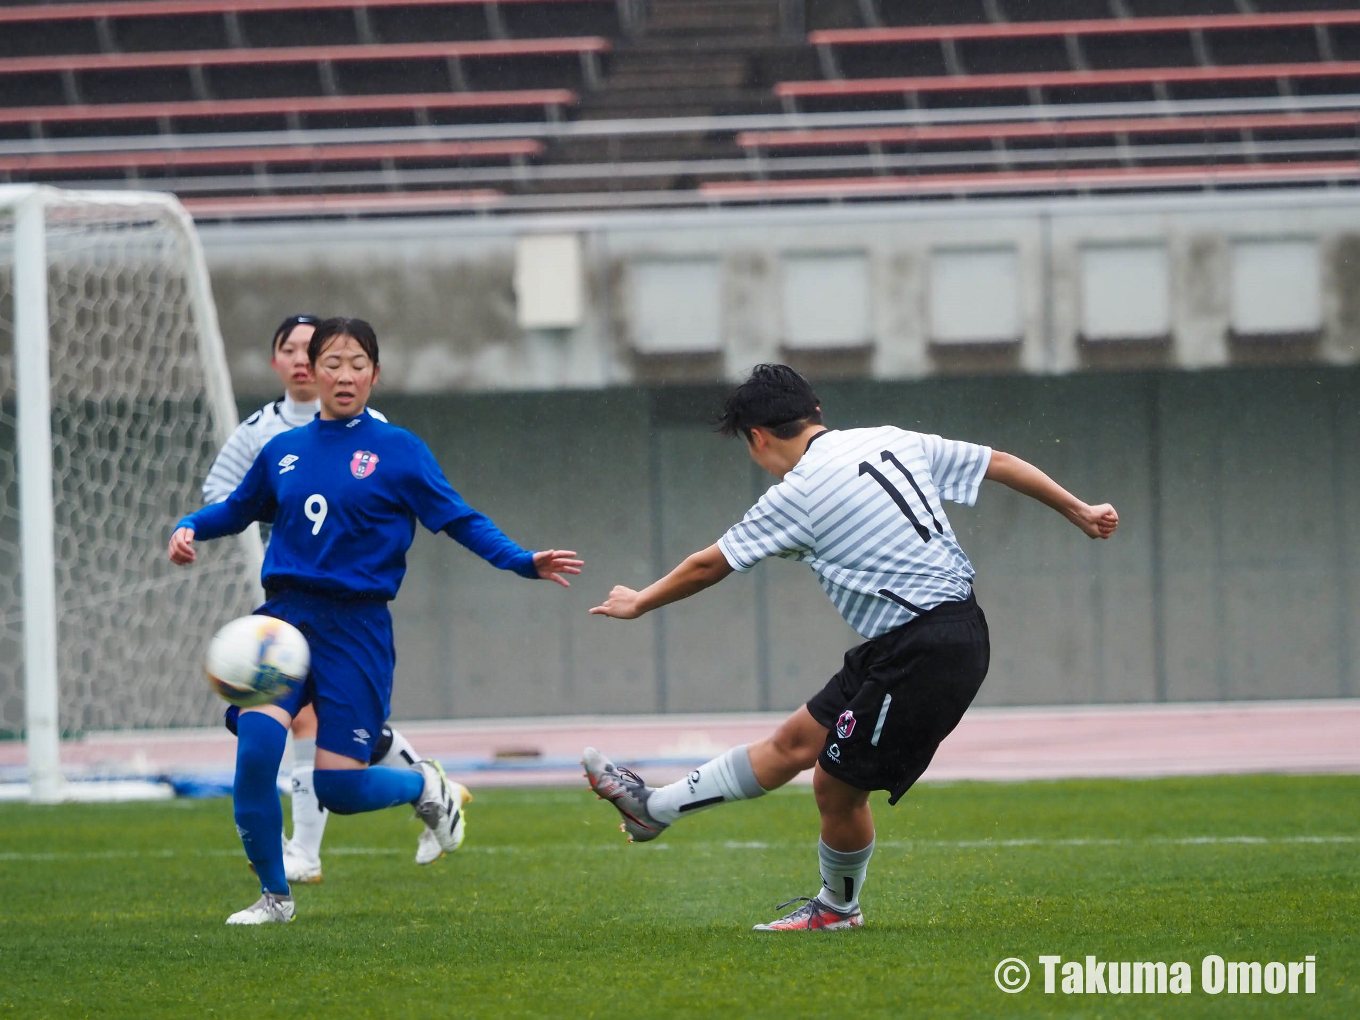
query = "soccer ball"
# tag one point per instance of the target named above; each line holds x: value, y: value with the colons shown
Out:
x: 256, y: 660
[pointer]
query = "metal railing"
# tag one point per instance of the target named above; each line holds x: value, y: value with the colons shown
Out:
x: 567, y: 130
x: 1207, y: 153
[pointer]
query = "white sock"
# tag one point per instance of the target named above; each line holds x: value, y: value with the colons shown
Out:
x: 309, y: 817
x: 727, y: 777
x: 842, y: 875
x: 400, y: 755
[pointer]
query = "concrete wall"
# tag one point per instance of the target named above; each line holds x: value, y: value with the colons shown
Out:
x: 1232, y: 575
x: 859, y: 291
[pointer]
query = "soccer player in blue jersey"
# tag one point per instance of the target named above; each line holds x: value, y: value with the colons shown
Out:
x: 343, y: 494
x: 297, y: 407
x: 864, y: 509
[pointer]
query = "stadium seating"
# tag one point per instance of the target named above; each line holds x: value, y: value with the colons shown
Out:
x: 288, y: 111
x: 1038, y: 181
x: 52, y: 166
x: 555, y: 103
x: 261, y: 64
x: 1078, y: 59
x: 1050, y: 130
x: 341, y: 204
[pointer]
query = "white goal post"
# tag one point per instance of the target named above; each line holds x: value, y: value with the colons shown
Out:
x: 114, y: 397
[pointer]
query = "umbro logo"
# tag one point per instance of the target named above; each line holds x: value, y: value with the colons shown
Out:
x: 288, y: 463
x: 352, y: 423
x: 362, y: 736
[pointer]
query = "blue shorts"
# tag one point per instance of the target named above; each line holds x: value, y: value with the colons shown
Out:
x: 353, y: 658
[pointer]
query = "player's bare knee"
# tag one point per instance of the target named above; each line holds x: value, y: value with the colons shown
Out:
x: 793, y: 749
x: 835, y: 797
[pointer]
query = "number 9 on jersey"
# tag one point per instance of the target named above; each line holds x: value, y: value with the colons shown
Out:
x: 316, y: 508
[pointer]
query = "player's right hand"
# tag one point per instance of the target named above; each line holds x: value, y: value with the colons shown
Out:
x: 1099, y: 521
x: 182, y: 547
x: 622, y: 604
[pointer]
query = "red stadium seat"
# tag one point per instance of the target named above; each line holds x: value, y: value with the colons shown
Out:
x: 1064, y: 79
x: 1086, y: 26
x: 294, y: 105
x: 1056, y: 130
x: 167, y: 8
x: 1030, y: 181
x: 340, y: 204
x: 157, y: 60
x: 176, y: 159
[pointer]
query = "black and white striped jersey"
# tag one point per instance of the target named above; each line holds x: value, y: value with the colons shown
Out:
x: 863, y: 509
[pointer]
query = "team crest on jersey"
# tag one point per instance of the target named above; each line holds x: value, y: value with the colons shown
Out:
x: 363, y: 464
x: 845, y: 725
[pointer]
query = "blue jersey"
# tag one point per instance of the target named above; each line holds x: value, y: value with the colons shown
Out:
x: 344, y: 497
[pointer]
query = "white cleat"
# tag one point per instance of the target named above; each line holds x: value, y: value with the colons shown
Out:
x: 268, y: 909
x: 814, y: 915
x: 298, y: 867
x: 441, y: 809
x: 428, y: 849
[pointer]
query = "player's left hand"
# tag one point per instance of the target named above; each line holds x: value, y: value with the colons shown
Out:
x: 622, y: 604
x: 551, y: 564
x: 1099, y: 521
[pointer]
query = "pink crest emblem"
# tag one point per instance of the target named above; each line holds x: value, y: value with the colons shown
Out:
x: 363, y: 464
x: 845, y: 725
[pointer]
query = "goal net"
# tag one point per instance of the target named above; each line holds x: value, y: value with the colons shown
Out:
x: 107, y: 294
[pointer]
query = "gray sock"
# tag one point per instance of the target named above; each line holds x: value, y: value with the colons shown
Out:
x: 842, y: 875
x: 727, y: 777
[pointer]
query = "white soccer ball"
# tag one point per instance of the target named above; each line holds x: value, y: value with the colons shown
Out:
x: 256, y: 660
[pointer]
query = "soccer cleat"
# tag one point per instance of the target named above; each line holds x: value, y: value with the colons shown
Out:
x: 268, y: 909
x: 428, y: 849
x: 813, y: 915
x: 624, y: 789
x: 298, y: 867
x: 440, y: 808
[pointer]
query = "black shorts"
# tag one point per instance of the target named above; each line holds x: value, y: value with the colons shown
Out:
x: 899, y: 694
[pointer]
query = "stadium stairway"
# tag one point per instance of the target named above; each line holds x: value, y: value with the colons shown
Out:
x: 691, y: 58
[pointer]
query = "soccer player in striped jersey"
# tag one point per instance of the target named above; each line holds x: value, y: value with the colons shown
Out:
x: 297, y: 407
x: 863, y: 508
x: 344, y: 494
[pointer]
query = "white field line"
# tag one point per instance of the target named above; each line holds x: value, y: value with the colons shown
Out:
x: 727, y: 845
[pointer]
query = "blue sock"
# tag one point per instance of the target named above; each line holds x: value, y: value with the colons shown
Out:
x: 352, y: 791
x: 259, y: 815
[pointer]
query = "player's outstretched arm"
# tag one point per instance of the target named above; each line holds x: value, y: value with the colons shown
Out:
x: 1095, y: 521
x: 699, y: 571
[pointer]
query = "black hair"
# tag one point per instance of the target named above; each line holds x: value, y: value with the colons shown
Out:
x: 341, y: 326
x: 287, y: 326
x: 775, y: 397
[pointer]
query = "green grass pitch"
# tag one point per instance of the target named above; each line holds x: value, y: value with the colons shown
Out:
x: 117, y: 910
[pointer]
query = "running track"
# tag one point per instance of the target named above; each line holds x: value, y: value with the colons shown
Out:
x: 990, y: 744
